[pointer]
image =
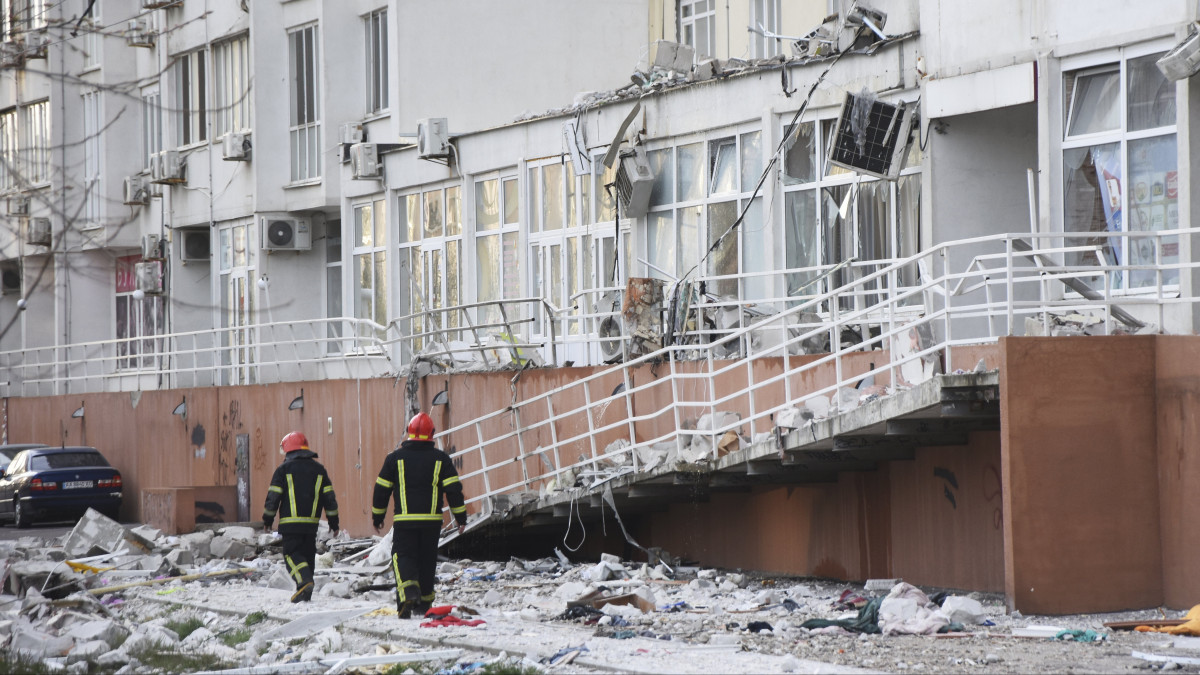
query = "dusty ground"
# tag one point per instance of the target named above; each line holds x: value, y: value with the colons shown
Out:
x: 699, y: 622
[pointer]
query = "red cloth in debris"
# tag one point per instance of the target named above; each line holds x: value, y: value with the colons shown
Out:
x: 450, y: 620
x: 440, y: 610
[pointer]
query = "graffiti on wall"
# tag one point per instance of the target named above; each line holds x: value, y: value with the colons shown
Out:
x: 231, y: 424
x: 949, y: 480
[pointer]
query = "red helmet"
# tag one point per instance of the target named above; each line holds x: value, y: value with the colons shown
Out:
x: 293, y: 441
x: 420, y: 427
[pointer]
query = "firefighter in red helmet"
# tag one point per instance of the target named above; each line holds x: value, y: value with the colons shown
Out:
x: 300, y: 488
x: 417, y: 475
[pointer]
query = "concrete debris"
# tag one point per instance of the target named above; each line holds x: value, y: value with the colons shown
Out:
x: 97, y: 531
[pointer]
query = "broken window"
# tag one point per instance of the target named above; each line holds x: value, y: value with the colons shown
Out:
x: 430, y: 227
x: 188, y: 73
x: 1120, y: 168
x: 834, y: 215
x: 236, y: 263
x: 136, y: 318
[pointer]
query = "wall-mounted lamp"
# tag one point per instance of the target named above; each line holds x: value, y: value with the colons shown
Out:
x: 181, y: 409
x: 78, y: 413
x: 442, y: 397
x: 298, y: 402
x: 618, y: 389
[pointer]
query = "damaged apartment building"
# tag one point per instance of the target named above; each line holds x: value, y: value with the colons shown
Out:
x: 894, y: 289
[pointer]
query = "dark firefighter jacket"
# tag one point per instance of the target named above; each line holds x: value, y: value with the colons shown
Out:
x: 417, y: 474
x: 299, y: 489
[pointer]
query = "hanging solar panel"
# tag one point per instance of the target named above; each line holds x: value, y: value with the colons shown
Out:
x: 872, y: 136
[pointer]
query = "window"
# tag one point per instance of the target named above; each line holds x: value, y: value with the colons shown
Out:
x: 700, y: 189
x: 21, y: 16
x: 370, y: 263
x: 305, y: 101
x: 431, y: 260
x: 1120, y: 156
x: 236, y: 260
x: 93, y: 151
x: 377, y: 60
x: 231, y: 86
x: 10, y: 177
x: 764, y: 15
x: 698, y: 25
x: 35, y: 142
x: 497, y: 254
x: 138, y: 322
x: 188, y: 76
x: 333, y: 280
x: 151, y: 127
x: 834, y: 215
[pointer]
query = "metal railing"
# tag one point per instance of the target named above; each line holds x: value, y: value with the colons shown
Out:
x: 672, y: 401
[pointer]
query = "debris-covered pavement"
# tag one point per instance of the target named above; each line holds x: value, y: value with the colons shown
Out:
x: 105, y: 598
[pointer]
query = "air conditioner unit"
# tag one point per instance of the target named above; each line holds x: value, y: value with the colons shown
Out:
x: 168, y: 168
x: 351, y: 133
x: 364, y: 161
x: 235, y: 147
x: 136, y: 191
x: 37, y: 232
x: 12, y: 53
x: 138, y: 34
x: 149, y: 277
x: 433, y: 138
x: 284, y: 233
x: 36, y: 45
x: 634, y: 181
x: 872, y: 137
x: 10, y: 277
x: 151, y: 247
x: 1184, y: 58
x: 18, y: 206
x: 195, y: 245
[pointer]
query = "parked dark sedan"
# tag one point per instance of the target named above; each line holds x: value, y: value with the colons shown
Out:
x: 58, y: 483
x: 7, y: 452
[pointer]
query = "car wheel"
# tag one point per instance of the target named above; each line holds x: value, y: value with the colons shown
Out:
x: 20, y: 514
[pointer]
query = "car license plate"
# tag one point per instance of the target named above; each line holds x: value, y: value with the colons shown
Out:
x: 73, y: 484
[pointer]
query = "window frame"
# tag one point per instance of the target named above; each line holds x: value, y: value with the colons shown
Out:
x: 375, y: 252
x: 139, y: 344
x: 189, y: 91
x: 767, y: 13
x: 93, y: 159
x: 1129, y: 281
x: 304, y: 103
x: 376, y: 65
x: 425, y: 289
x: 231, y: 72
x: 690, y: 15
x: 152, y: 126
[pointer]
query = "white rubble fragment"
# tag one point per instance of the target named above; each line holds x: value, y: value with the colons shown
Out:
x: 818, y: 405
x: 767, y: 597
x: 792, y: 418
x: 738, y: 579
x: 706, y: 574
x: 78, y: 668
x: 880, y: 585
x: 493, y: 597
x: 329, y: 640
x: 32, y: 643
x: 224, y: 547
x: 198, y: 543
x: 180, y: 557
x: 727, y: 586
x: 625, y: 611
x: 337, y: 589
x: 197, y: 638
x: 529, y: 614
x: 966, y: 611
x: 381, y: 553
x: 266, y: 538
x: 448, y: 568
x: 242, y: 533
x: 325, y: 560
x: 571, y: 590
x: 107, y: 630
x: 146, y: 532
x: 150, y: 636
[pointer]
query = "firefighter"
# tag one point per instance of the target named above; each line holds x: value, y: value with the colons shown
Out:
x: 302, y: 487
x: 417, y: 474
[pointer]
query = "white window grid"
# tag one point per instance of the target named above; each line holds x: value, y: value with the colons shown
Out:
x: 10, y: 172
x: 236, y: 264
x: 21, y: 16
x: 431, y: 255
x: 93, y: 152
x: 497, y: 250
x: 333, y: 282
x: 152, y: 140
x: 93, y: 39
x: 376, y: 33
x: 231, y: 85
x: 834, y: 205
x: 190, y: 79
x: 35, y: 142
x: 137, y: 322
x: 1074, y: 69
x: 698, y: 25
x: 305, y: 128
x: 703, y: 183
x: 369, y: 256
x: 764, y: 14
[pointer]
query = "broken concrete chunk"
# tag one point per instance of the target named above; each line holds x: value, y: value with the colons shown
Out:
x: 880, y: 585
x: 117, y: 657
x: 246, y: 535
x: 280, y: 579
x: 150, y: 636
x: 146, y: 532
x: 31, y: 643
x: 493, y: 597
x: 107, y: 630
x: 180, y: 557
x: 95, y: 530
x: 224, y: 547
x: 198, y: 543
x: 87, y: 651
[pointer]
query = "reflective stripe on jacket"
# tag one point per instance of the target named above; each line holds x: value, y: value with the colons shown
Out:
x: 415, y: 476
x: 300, y: 489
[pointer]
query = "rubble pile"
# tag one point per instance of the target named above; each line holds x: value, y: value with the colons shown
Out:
x: 115, y: 599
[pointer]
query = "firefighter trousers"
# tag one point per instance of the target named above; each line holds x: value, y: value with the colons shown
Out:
x: 300, y: 555
x: 414, y: 563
